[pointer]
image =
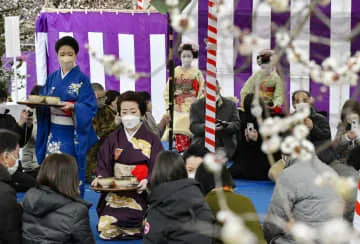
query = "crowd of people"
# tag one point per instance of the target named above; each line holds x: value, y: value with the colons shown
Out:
x: 98, y: 134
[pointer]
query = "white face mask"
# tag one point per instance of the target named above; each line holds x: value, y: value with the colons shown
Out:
x: 191, y: 175
x: 300, y: 106
x: 13, y: 169
x: 66, y: 62
x: 130, y: 121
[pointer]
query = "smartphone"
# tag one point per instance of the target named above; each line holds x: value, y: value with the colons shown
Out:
x: 250, y: 126
x: 354, y: 125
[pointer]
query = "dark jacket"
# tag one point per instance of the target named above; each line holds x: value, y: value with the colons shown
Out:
x: 226, y: 111
x: 10, y: 211
x: 175, y: 212
x: 50, y: 218
x: 8, y: 122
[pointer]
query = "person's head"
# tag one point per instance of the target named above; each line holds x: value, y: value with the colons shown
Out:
x: 112, y: 98
x: 60, y: 173
x: 67, y: 49
x: 9, y: 150
x: 207, y: 179
x: 187, y: 53
x: 99, y: 94
x: 354, y: 158
x: 350, y: 111
x: 147, y: 98
x: 3, y: 95
x: 193, y: 157
x: 169, y: 166
x: 264, y: 60
x: 36, y: 90
x: 301, y: 99
x: 132, y: 108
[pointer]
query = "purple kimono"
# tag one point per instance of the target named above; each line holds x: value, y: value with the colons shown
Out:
x: 121, y: 214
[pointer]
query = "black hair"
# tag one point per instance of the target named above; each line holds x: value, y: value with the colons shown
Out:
x: 188, y: 47
x: 67, y: 41
x: 110, y: 96
x: 36, y: 90
x: 196, y: 150
x: 145, y: 96
x: 97, y: 87
x: 349, y: 106
x: 354, y: 158
x: 299, y: 91
x: 3, y: 95
x: 207, y: 179
x: 9, y: 141
x: 131, y: 96
x: 169, y: 166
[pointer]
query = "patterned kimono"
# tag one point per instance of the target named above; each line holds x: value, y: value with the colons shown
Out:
x: 271, y: 88
x: 121, y: 214
x: 188, y: 88
x: 68, y: 132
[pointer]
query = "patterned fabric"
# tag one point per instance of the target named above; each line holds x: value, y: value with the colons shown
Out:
x: 182, y: 142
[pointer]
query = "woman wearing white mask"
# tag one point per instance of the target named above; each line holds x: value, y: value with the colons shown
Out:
x: 10, y: 210
x: 67, y: 129
x: 129, y: 151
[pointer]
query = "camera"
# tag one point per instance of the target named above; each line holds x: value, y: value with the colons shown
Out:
x: 30, y: 113
x: 263, y: 59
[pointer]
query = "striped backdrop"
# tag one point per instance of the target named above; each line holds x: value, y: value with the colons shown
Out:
x: 140, y: 39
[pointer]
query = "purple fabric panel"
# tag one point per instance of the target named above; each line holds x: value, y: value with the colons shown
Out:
x: 31, y: 79
x: 355, y: 43
x: 317, y: 53
x: 83, y: 56
x: 240, y: 79
x: 142, y: 61
x: 111, y: 47
x: 243, y: 20
x: 41, y: 24
x: 203, y: 23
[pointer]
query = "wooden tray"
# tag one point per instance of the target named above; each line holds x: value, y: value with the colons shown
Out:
x: 115, y: 189
x: 33, y: 104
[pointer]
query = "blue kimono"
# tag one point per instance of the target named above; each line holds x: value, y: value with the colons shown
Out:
x: 67, y: 132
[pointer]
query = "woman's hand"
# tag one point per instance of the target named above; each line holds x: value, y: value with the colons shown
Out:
x: 95, y: 182
x: 67, y: 106
x: 142, y: 186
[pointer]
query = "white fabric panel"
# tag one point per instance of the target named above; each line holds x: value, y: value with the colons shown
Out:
x: 127, y: 54
x: 298, y: 73
x: 19, y: 88
x: 261, y: 26
x: 158, y: 79
x: 225, y: 50
x: 41, y: 47
x: 62, y: 34
x: 12, y: 36
x: 97, y: 73
x: 340, y: 51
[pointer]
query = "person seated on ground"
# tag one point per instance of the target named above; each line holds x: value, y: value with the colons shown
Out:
x: 149, y: 120
x: 349, y: 169
x: 10, y: 210
x: 29, y: 162
x: 129, y: 151
x: 347, y: 136
x: 239, y: 204
x: 53, y: 210
x: 178, y: 212
x: 271, y: 87
x: 193, y: 158
x: 250, y: 161
x: 227, y: 123
x: 106, y: 120
x: 308, y: 203
x: 318, y: 124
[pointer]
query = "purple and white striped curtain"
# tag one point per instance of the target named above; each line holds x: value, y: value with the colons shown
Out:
x: 140, y: 39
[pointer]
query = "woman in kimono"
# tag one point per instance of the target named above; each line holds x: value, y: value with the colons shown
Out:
x: 129, y: 151
x: 67, y: 129
x: 188, y: 87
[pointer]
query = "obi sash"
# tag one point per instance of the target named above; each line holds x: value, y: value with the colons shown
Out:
x: 59, y: 117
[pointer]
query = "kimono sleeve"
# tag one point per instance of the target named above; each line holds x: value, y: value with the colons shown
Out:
x: 104, y: 159
x: 248, y: 88
x: 201, y: 84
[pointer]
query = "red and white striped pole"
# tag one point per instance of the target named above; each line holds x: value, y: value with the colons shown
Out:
x: 356, y: 221
x: 210, y: 114
x: 140, y: 4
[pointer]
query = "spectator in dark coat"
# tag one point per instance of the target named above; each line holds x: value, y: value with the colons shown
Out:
x: 10, y: 210
x: 54, y: 211
x: 317, y: 123
x: 178, y: 212
x: 250, y: 161
x: 227, y: 123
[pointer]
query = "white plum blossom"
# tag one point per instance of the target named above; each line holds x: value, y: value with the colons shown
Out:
x: 303, y: 233
x: 246, y: 47
x: 279, y: 5
x: 335, y: 231
x: 214, y: 162
x: 172, y: 3
x: 301, y: 131
x: 344, y: 187
x: 326, y: 178
x: 329, y: 64
x: 282, y: 38
x: 288, y: 145
x: 271, y: 145
x: 181, y: 22
x: 257, y: 110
